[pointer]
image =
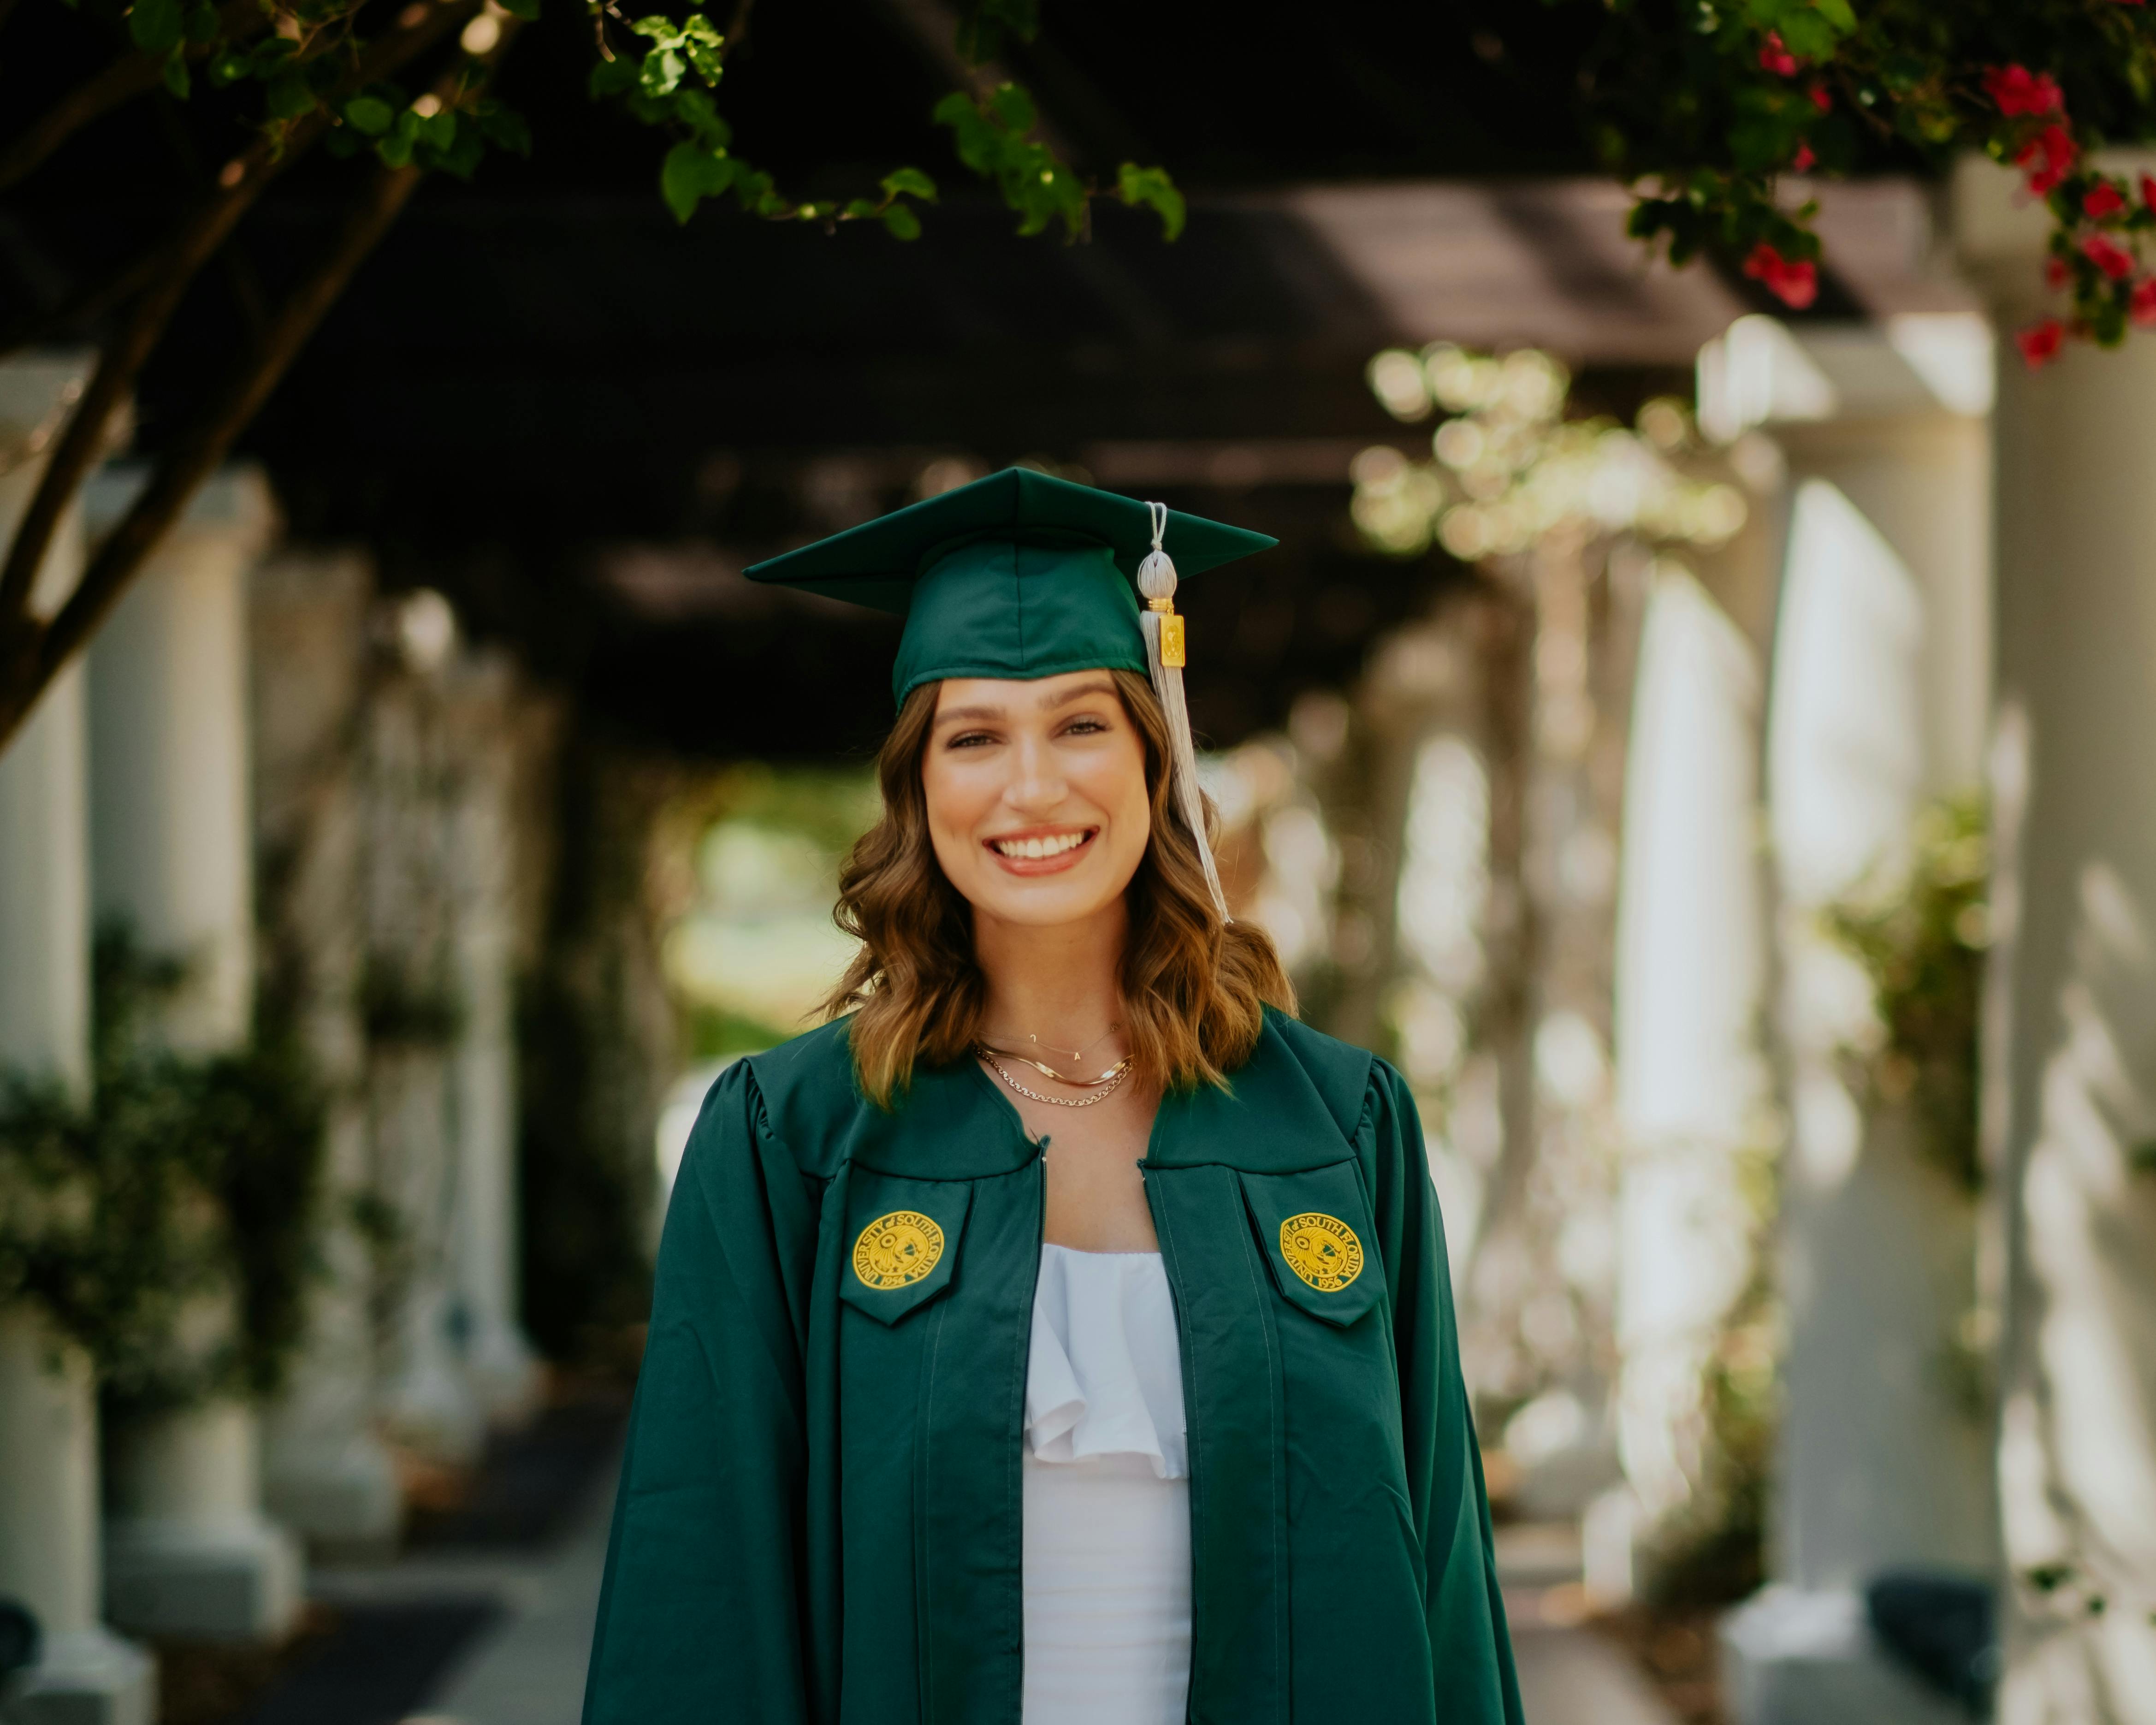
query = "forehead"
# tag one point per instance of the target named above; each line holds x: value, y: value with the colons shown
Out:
x: 1014, y: 696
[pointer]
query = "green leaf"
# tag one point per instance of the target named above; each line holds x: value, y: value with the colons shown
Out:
x: 694, y: 109
x: 900, y: 222
x: 176, y: 73
x: 202, y: 23
x: 463, y: 158
x: 690, y: 174
x: 395, y: 150
x: 610, y: 78
x: 528, y: 10
x: 1808, y: 36
x: 662, y: 71
x: 228, y: 67
x: 438, y: 131
x: 289, y: 97
x: 1153, y: 188
x: 1013, y: 110
x: 506, y: 129
x: 370, y: 114
x: 156, y: 26
x: 909, y: 182
x: 658, y: 27
x: 983, y: 24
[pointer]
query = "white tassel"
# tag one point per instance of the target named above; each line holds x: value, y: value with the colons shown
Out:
x: 1164, y: 655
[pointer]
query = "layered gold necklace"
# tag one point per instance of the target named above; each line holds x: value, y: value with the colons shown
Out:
x: 1102, y: 1087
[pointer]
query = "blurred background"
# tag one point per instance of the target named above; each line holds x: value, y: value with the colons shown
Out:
x: 1683, y: 734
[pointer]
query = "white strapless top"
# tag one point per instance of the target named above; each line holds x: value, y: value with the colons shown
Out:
x: 1107, y: 1495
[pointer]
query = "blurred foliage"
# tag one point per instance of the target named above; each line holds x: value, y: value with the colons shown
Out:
x: 832, y: 806
x: 715, y: 1034
x: 331, y: 69
x: 183, y: 1177
x: 1509, y: 467
x: 1919, y: 925
x: 1712, y: 1551
x: 394, y: 1008
x: 1705, y: 104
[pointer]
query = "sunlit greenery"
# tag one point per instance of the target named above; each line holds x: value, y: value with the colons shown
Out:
x: 1919, y: 925
x: 179, y: 1178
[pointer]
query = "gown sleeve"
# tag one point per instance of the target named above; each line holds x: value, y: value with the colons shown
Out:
x: 700, y: 1614
x: 1470, y: 1649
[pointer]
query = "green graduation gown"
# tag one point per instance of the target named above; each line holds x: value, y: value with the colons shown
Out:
x: 819, y: 1519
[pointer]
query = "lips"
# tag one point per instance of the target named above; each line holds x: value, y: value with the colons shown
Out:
x: 1041, y: 852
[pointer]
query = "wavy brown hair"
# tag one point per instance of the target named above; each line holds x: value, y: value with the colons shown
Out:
x: 1194, y: 992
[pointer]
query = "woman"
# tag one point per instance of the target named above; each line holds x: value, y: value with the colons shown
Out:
x: 1061, y: 1336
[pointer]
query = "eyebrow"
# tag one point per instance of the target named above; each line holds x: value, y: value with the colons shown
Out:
x: 1048, y: 703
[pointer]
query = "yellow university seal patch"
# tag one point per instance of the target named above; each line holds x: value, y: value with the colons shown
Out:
x: 1322, y: 1251
x: 898, y: 1249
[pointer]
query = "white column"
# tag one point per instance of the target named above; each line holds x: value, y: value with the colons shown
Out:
x: 1691, y: 965
x: 500, y: 1361
x: 188, y: 1550
x: 49, y: 1450
x: 414, y: 749
x: 328, y: 1474
x: 2074, y: 994
x: 1879, y: 691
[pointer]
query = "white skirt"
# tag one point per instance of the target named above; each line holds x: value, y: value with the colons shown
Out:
x: 1107, y: 1495
x: 1107, y: 1593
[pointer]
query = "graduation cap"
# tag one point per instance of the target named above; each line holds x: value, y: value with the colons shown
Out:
x: 1022, y: 576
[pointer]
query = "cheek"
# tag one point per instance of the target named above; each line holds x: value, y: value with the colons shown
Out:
x: 957, y: 800
x: 1116, y: 785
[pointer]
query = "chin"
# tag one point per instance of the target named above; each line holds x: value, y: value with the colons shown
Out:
x: 1043, y: 906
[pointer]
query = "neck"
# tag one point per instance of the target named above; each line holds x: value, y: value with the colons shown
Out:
x: 1058, y: 983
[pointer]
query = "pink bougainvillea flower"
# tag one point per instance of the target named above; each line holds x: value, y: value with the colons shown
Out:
x: 2108, y: 256
x: 2055, y: 272
x: 1821, y: 99
x: 1804, y: 160
x: 2017, y: 90
x: 2040, y: 342
x: 2148, y: 190
x: 1796, y: 284
x: 2104, y: 199
x: 2048, y: 158
x: 1775, y: 58
x: 2141, y: 307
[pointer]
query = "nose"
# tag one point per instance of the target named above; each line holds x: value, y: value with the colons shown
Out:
x: 1036, y: 784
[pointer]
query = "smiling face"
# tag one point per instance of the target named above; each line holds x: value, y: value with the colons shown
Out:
x: 1036, y: 795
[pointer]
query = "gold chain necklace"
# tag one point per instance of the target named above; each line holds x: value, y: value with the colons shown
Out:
x: 1048, y: 1071
x: 1109, y: 1081
x: 1069, y: 1054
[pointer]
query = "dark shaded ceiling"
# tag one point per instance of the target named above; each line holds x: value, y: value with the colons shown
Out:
x: 580, y: 420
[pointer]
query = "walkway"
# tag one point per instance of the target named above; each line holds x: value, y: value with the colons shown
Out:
x: 527, y: 1666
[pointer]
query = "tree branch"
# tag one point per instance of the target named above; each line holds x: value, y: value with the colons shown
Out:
x: 124, y: 79
x: 31, y: 655
x: 204, y: 443
x: 240, y: 183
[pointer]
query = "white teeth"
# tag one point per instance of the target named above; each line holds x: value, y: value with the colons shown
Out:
x: 1034, y: 850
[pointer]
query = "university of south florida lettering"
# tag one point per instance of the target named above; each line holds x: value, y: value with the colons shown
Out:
x: 896, y: 1250
x: 1321, y: 1250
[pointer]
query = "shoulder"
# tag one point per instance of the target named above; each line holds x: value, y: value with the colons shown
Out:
x: 1341, y: 1074
x: 805, y: 1091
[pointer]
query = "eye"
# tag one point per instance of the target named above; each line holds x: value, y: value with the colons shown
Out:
x: 970, y: 739
x: 1085, y: 725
